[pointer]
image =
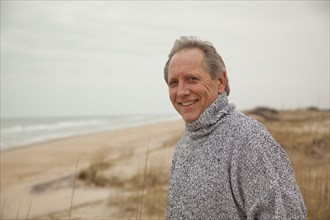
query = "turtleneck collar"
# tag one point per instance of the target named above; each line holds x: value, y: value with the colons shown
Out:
x: 205, y: 124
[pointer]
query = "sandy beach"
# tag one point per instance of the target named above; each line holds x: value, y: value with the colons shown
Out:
x: 91, y: 176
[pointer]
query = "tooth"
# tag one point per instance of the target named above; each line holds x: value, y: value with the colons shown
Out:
x: 187, y: 103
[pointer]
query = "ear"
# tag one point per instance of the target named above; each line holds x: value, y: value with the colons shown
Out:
x: 222, y: 82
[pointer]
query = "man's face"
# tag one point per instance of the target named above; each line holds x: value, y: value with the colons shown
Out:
x: 191, y: 88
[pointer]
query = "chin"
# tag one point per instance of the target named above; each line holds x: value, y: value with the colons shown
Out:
x: 189, y: 119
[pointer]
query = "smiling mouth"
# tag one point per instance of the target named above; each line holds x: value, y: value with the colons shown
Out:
x: 188, y: 103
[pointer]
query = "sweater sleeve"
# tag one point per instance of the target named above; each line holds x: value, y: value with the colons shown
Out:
x: 263, y: 181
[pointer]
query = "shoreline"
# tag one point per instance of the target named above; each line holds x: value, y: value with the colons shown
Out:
x: 86, y: 133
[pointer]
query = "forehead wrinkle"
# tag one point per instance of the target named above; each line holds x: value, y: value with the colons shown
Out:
x: 186, y: 61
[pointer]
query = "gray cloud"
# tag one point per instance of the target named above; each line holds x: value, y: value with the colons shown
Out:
x: 84, y: 57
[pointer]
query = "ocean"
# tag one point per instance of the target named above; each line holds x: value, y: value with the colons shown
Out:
x: 19, y: 132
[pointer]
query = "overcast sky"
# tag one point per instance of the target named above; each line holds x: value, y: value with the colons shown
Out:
x: 107, y: 57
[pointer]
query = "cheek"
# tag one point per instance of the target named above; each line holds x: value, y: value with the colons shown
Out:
x: 210, y: 94
x: 172, y: 94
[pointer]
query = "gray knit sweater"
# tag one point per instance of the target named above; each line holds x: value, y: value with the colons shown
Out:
x: 227, y: 166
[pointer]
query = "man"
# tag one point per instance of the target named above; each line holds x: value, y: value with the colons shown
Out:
x: 226, y: 165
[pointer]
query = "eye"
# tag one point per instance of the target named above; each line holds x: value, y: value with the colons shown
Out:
x: 173, y: 83
x: 192, y: 78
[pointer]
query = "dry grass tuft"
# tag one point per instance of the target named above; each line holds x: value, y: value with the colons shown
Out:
x: 127, y: 202
x: 93, y: 174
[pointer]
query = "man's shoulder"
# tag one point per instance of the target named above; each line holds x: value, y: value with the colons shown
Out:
x: 245, y: 129
x: 250, y: 133
x: 243, y: 122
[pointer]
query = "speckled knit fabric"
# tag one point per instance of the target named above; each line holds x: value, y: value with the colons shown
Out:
x: 227, y: 166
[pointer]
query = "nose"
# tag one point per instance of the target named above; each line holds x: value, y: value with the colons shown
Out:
x: 183, y: 89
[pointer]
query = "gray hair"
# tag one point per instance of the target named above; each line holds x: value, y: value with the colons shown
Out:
x: 213, y: 62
